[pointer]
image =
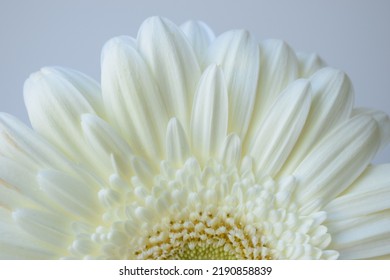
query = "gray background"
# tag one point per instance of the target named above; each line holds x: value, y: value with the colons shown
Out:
x: 350, y: 35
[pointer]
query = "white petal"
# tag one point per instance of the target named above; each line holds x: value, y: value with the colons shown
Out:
x: 177, y: 147
x: 368, y: 237
x: 133, y: 101
x: 281, y: 128
x: 309, y: 64
x: 173, y: 64
x: 368, y: 194
x: 55, y: 106
x: 29, y: 151
x: 26, y: 187
x: 383, y: 121
x: 382, y: 257
x: 49, y: 228
x: 331, y: 105
x: 143, y: 171
x: 209, y: 117
x: 199, y: 35
x: 105, y: 141
x: 10, y: 197
x: 238, y: 55
x: 278, y: 68
x: 373, y: 178
x: 75, y: 196
x: 10, y: 251
x: 365, y: 228
x: 337, y: 160
x: 358, y: 204
x: 230, y: 153
x: 17, y: 244
x: 20, y: 143
x: 89, y: 88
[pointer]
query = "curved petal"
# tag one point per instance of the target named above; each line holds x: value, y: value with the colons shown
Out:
x: 230, y: 152
x: 74, y: 195
x: 89, y: 88
x: 209, y: 117
x: 365, y: 237
x: 337, y: 161
x: 55, y: 106
x: 173, y: 63
x: 26, y: 189
x: 383, y: 121
x: 50, y: 228
x: 18, y: 244
x: 369, y: 194
x: 200, y: 37
x: 238, y: 55
x: 277, y: 135
x: 20, y: 143
x: 133, y: 101
x: 30, y: 150
x: 374, y: 177
x: 106, y: 142
x: 309, y: 64
x: 359, y: 204
x: 332, y: 104
x: 278, y: 68
x: 177, y: 147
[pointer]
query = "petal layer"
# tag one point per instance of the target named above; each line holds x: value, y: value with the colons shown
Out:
x: 173, y: 63
x: 238, y: 55
x: 336, y: 161
x: 209, y: 117
x: 277, y: 135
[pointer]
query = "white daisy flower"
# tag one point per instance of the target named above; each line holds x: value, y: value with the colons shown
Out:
x: 194, y: 147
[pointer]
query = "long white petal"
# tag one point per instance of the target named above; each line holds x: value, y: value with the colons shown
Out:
x: 199, y: 35
x: 26, y: 186
x: 309, y: 64
x: 31, y: 151
x: 370, y: 193
x: 177, y: 147
x: 281, y: 128
x: 173, y: 64
x: 278, y: 68
x: 132, y: 98
x: 20, y: 143
x: 331, y: 105
x: 17, y: 244
x: 358, y: 204
x: 383, y: 121
x: 89, y: 88
x: 48, y: 227
x: 230, y: 153
x: 55, y: 106
x: 209, y: 117
x: 366, y: 238
x: 106, y: 142
x: 72, y: 194
x: 238, y: 55
x: 373, y: 178
x: 337, y: 160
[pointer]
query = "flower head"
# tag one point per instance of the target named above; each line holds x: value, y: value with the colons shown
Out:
x: 194, y: 147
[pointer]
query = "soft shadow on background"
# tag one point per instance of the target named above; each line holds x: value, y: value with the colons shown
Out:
x: 350, y: 35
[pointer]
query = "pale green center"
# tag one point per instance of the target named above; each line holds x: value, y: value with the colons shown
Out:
x: 206, y: 236
x: 205, y: 252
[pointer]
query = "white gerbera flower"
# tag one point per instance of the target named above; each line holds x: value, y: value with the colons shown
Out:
x: 195, y: 148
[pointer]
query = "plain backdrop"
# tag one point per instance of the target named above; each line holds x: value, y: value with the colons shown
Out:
x: 351, y: 35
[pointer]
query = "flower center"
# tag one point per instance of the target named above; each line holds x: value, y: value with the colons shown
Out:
x: 209, y: 212
x: 205, y: 236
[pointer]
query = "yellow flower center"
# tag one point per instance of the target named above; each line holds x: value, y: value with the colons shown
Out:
x: 204, y: 236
